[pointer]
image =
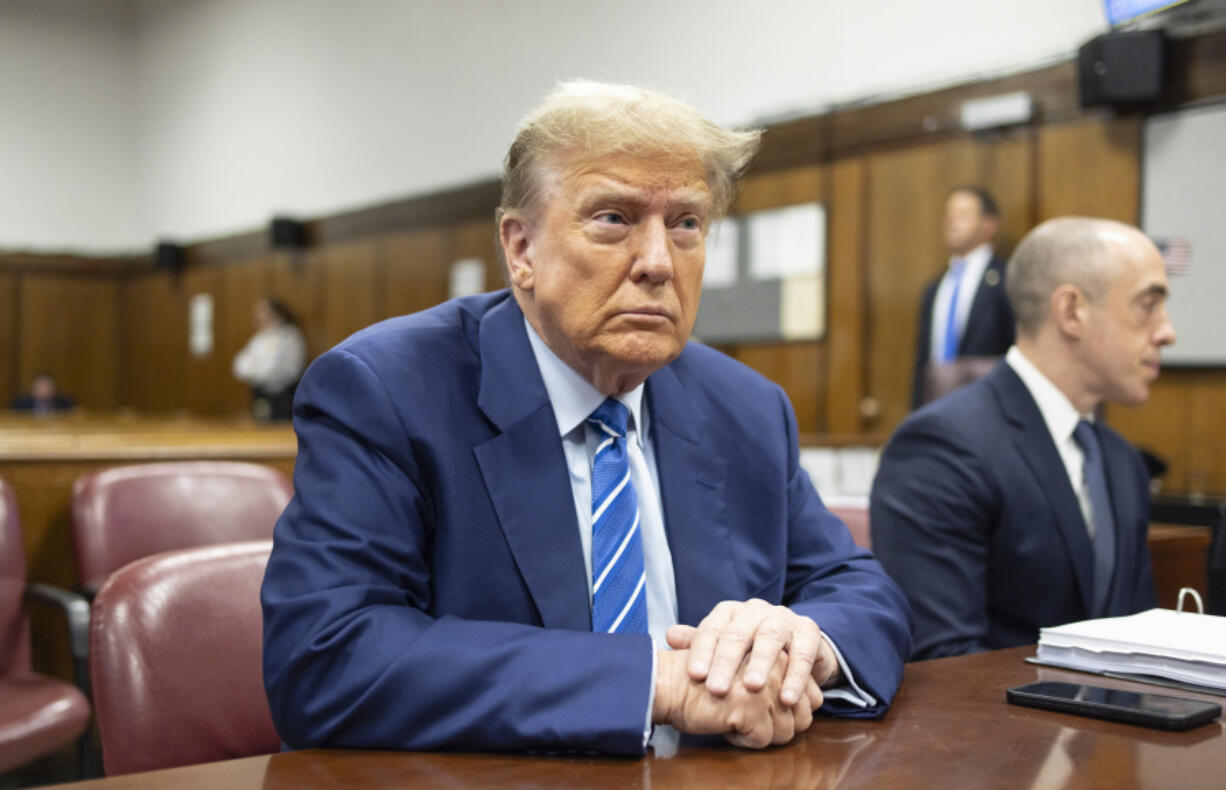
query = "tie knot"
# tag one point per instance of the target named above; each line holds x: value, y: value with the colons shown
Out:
x: 957, y: 266
x: 611, y: 417
x: 1086, y: 439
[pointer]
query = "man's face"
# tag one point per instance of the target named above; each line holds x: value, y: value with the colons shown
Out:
x: 966, y: 226
x: 608, y: 269
x: 1128, y: 328
x: 43, y: 388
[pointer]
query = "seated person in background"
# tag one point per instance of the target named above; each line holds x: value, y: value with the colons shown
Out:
x: 964, y: 312
x: 508, y: 507
x: 1005, y: 507
x: 272, y: 361
x: 44, y: 397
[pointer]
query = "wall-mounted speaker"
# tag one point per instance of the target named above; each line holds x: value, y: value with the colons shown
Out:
x: 285, y: 232
x: 169, y: 256
x: 1122, y: 68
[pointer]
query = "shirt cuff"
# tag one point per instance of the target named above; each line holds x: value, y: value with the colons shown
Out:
x: 848, y: 691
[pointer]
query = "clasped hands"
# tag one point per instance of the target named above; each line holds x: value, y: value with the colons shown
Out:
x: 750, y: 671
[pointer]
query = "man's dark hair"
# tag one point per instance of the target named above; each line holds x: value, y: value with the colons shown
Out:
x: 987, y: 203
x: 282, y: 310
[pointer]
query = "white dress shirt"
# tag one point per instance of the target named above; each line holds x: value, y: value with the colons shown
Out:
x: 1061, y: 418
x: 977, y: 261
x: 273, y: 358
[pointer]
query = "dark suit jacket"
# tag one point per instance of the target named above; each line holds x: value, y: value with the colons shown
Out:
x: 28, y: 403
x: 973, y: 514
x: 426, y: 588
x: 989, y: 327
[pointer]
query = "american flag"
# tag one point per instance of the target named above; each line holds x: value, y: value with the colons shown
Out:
x: 1176, y: 254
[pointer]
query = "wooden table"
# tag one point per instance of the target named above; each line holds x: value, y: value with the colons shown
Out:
x: 949, y: 728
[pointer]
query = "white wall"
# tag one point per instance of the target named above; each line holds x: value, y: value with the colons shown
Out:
x: 306, y: 107
x: 67, y: 158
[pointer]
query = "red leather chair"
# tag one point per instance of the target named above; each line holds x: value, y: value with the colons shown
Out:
x: 856, y: 519
x: 175, y: 659
x: 38, y: 714
x: 128, y: 512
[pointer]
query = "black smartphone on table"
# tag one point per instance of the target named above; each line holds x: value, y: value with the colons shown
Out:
x: 1133, y: 707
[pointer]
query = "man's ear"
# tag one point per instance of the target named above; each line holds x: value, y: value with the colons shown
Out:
x: 1069, y: 310
x: 515, y: 235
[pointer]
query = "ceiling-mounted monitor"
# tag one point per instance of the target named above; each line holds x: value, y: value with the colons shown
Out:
x: 1121, y: 11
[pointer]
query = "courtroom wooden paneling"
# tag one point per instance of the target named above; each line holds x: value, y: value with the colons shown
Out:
x: 153, y: 342
x: 351, y: 279
x: 295, y: 279
x: 1089, y: 167
x: 478, y: 238
x: 907, y: 188
x: 206, y: 376
x: 10, y: 385
x: 798, y: 367
x: 846, y: 340
x: 1177, y: 553
x: 1184, y: 421
x: 416, y: 270
x: 69, y: 325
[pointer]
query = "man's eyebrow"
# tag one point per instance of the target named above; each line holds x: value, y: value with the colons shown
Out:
x: 1156, y: 289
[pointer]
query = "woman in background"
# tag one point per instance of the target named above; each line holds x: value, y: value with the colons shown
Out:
x: 272, y: 361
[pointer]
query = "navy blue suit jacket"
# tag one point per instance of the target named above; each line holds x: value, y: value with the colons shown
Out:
x: 972, y: 512
x: 426, y: 588
x: 989, y: 329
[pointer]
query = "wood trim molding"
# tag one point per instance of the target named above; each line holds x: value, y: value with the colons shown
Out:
x: 70, y: 265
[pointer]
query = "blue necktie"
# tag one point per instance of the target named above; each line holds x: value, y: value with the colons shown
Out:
x: 1101, y: 514
x: 949, y: 351
x: 619, y: 595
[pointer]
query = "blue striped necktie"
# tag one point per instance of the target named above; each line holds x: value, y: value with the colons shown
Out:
x: 619, y: 597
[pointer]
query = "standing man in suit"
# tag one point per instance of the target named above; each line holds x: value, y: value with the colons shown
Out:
x: 510, y: 507
x: 1005, y: 506
x: 964, y: 312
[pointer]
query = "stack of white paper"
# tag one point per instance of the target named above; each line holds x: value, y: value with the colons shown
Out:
x: 1163, y: 643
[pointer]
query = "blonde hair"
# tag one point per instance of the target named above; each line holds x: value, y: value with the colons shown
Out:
x: 595, y: 119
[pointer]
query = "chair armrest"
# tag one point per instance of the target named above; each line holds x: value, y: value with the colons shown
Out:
x: 76, y: 612
x: 75, y: 608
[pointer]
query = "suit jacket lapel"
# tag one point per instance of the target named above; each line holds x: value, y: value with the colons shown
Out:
x: 991, y: 280
x: 1034, y: 443
x: 524, y: 469
x: 693, y: 493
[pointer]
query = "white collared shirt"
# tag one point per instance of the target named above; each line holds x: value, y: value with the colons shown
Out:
x: 977, y: 261
x: 1061, y: 418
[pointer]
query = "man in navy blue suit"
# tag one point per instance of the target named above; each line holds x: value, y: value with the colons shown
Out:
x: 964, y: 312
x: 1005, y: 506
x: 539, y: 518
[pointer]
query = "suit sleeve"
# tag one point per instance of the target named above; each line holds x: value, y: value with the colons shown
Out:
x: 930, y: 517
x: 353, y: 656
x: 844, y: 590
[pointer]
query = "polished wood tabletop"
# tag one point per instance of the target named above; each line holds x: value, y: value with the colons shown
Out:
x: 950, y: 727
